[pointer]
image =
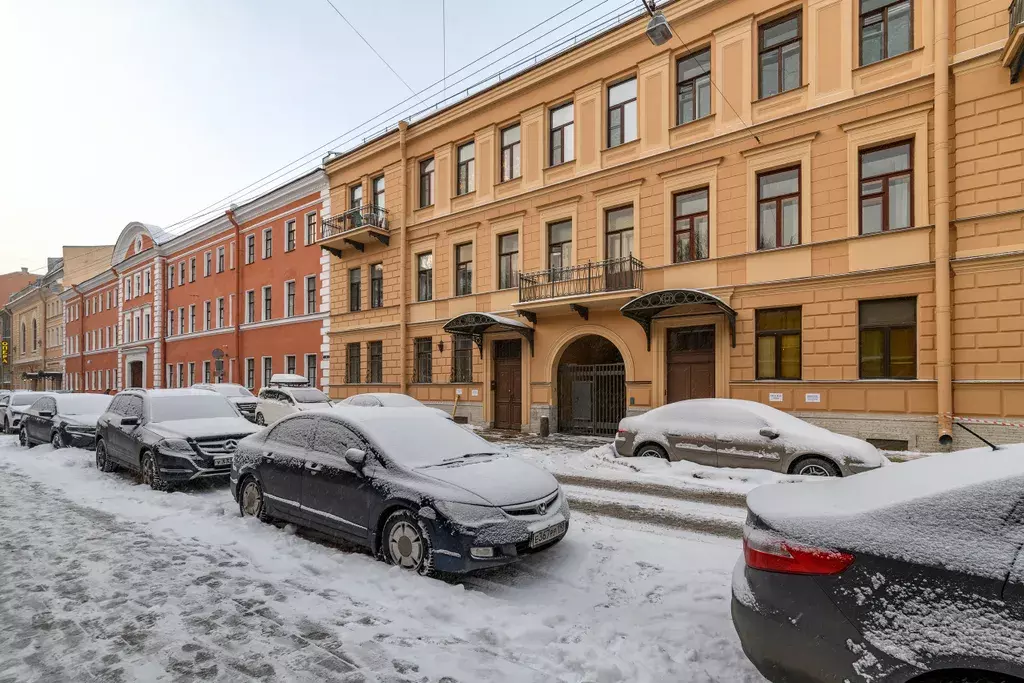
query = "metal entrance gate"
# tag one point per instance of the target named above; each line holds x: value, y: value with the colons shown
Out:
x: 591, y: 398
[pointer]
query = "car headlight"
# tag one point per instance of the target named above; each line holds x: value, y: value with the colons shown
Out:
x: 78, y: 429
x: 466, y: 515
x: 175, y: 446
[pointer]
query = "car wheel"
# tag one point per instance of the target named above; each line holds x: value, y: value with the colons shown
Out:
x: 817, y: 467
x: 251, y: 502
x: 23, y: 438
x: 260, y: 421
x: 651, y: 450
x: 151, y: 476
x: 56, y: 440
x: 103, y: 463
x: 406, y: 543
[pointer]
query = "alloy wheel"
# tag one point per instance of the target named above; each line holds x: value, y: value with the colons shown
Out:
x: 23, y: 437
x: 814, y: 470
x: 101, y: 457
x: 260, y: 421
x: 252, y: 499
x: 147, y: 470
x: 405, y: 544
x: 57, y: 442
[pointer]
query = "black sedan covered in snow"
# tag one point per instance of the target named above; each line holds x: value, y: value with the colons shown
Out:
x: 417, y: 489
x: 63, y: 420
x: 908, y: 573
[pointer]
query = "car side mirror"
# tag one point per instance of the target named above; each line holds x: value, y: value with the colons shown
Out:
x: 769, y: 433
x: 129, y: 420
x: 356, y: 458
x: 45, y: 413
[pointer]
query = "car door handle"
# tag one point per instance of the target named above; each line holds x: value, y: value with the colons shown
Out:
x: 313, y: 467
x: 722, y: 439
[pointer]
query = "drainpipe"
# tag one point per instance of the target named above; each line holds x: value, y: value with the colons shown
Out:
x: 943, y: 317
x: 238, y: 296
x: 403, y: 335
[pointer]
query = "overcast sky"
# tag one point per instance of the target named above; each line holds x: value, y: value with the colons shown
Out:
x: 149, y: 110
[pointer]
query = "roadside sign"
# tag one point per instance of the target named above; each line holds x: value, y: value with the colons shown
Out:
x: 217, y: 353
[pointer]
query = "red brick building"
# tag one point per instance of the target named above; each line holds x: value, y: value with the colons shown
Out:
x: 249, y: 286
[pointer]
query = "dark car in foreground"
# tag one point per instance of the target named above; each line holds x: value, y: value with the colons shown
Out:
x: 63, y: 420
x: 170, y: 436
x: 415, y: 488
x: 913, y: 572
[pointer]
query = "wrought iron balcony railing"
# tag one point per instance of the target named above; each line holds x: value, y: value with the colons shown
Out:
x: 1016, y: 14
x: 587, y: 278
x: 360, y: 217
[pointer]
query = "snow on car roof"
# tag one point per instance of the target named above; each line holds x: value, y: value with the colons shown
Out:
x: 157, y: 393
x: 945, y: 510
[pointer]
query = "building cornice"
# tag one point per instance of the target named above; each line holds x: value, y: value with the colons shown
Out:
x: 293, y: 320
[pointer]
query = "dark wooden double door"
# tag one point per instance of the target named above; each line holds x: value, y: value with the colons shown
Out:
x: 690, y: 363
x: 508, y: 384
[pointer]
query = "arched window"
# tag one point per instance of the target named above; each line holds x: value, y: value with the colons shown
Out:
x: 35, y: 335
x: 23, y: 338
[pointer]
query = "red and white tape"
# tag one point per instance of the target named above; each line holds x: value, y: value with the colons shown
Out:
x: 981, y: 421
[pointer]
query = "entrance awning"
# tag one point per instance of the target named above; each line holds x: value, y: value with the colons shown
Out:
x: 476, y: 325
x: 646, y: 307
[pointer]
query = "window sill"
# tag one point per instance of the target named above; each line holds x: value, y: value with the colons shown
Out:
x: 635, y: 142
x: 770, y: 250
x: 560, y: 164
x: 887, y: 60
x: 425, y: 207
x: 464, y: 194
x: 692, y: 124
x: 768, y: 98
x: 509, y: 181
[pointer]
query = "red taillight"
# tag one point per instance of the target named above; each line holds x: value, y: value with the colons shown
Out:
x: 768, y: 551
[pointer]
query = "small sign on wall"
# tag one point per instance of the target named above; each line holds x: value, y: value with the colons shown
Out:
x: 458, y: 392
x: 775, y: 397
x: 474, y: 392
x: 812, y: 398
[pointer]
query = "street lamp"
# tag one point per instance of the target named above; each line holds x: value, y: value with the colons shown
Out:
x: 658, y: 30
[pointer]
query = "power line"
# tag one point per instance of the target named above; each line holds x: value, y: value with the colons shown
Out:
x: 372, y: 48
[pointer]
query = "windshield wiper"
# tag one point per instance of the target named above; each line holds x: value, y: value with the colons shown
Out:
x: 459, y: 458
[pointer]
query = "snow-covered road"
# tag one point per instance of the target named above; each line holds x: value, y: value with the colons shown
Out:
x: 102, y: 579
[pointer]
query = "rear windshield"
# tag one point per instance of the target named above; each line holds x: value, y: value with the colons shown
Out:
x: 24, y: 399
x: 310, y: 396
x: 193, y: 407
x: 399, y: 401
x: 85, y: 404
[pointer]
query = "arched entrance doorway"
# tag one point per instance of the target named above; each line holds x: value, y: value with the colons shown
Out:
x: 591, y: 387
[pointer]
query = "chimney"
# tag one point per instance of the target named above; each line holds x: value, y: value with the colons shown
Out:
x: 24, y: 269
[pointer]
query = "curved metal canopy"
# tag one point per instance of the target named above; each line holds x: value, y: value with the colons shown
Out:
x: 476, y: 325
x: 646, y: 306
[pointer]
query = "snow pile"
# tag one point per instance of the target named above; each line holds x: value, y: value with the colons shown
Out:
x: 169, y: 573
x: 603, y: 462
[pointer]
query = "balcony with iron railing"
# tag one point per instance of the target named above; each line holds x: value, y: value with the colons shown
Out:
x: 355, y: 228
x: 583, y: 280
x: 1013, y: 52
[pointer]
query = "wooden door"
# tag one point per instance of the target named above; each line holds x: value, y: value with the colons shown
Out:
x: 690, y: 363
x: 135, y: 368
x: 508, y: 390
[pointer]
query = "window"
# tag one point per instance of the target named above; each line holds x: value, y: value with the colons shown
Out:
x: 423, y: 369
x: 310, y: 228
x: 690, y: 226
x: 886, y: 29
x: 220, y: 259
x: 311, y: 294
x: 191, y: 269
x: 220, y: 312
x: 886, y: 195
x: 462, y: 359
x: 289, y: 236
x: 508, y: 260
x: 207, y: 316
x: 289, y: 298
x: 426, y: 182
x: 311, y: 369
x: 377, y: 187
x: 128, y: 285
x: 622, y: 113
x: 355, y: 289
x: 693, y: 87
x: 137, y: 280
x: 181, y: 276
x: 425, y: 277
x: 267, y: 302
x: 465, y: 171
x: 147, y: 283
x: 181, y: 320
x: 559, y: 248
x: 268, y: 243
x: 619, y: 233
x: 170, y: 321
x: 511, y: 153
x: 888, y: 339
x: 268, y: 369
x: 778, y: 208
x: 377, y: 285
x: 207, y: 263
x: 206, y: 371
x: 561, y: 140
x: 352, y: 364
x: 778, y: 343
x: 250, y: 306
x: 463, y: 269
x: 250, y: 248
x: 192, y: 318
x: 375, y: 358
x: 191, y: 373
x: 355, y: 196
x: 289, y: 365
x: 778, y: 58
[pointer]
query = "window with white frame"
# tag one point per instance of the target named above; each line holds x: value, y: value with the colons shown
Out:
x: 311, y: 306
x: 181, y: 320
x: 147, y: 282
x: 250, y: 248
x: 220, y: 312
x: 311, y: 227
x: 268, y: 243
x: 267, y: 302
x: 289, y: 298
x: 207, y: 263
x: 220, y: 259
x: 207, y: 316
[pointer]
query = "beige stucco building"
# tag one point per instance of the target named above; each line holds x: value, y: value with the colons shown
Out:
x: 37, y: 331
x: 799, y: 203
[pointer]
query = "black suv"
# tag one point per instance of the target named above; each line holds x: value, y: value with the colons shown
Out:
x: 170, y: 436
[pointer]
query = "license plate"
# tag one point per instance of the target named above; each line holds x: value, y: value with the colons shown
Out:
x: 226, y: 460
x: 544, y: 535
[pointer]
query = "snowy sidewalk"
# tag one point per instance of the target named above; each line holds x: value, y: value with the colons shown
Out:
x: 104, y: 580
